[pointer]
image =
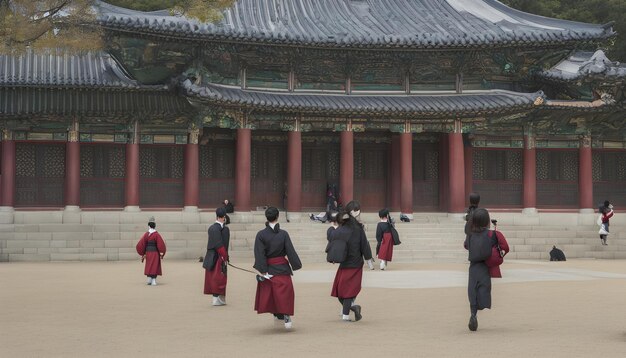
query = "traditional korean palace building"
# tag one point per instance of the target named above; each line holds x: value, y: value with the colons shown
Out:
x: 403, y: 104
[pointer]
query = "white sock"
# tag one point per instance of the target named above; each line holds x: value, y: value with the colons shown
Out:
x: 345, y: 317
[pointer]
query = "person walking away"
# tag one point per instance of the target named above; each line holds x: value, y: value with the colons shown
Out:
x: 151, y: 248
x: 354, y: 210
x: 347, y: 283
x: 607, y: 213
x: 276, y: 259
x: 480, y: 245
x: 216, y: 259
x: 384, y: 246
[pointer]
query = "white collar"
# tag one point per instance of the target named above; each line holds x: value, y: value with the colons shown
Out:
x: 221, y: 223
x: 151, y: 230
x: 272, y: 225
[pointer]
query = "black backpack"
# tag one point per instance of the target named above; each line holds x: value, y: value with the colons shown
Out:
x: 479, y: 246
x: 394, y: 235
x: 337, y: 251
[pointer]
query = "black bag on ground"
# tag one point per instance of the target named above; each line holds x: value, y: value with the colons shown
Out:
x: 337, y: 251
x: 557, y: 254
x: 479, y: 246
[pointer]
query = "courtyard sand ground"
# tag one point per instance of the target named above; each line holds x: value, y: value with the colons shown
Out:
x: 104, y: 309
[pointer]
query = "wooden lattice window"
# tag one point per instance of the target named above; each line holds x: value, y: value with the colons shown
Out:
x: 102, y: 171
x: 497, y: 165
x: 557, y: 165
x: 161, y: 175
x: 40, y: 174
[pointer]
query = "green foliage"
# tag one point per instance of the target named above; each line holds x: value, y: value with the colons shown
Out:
x: 47, y: 24
x: 203, y: 10
x: 590, y: 11
x: 70, y: 24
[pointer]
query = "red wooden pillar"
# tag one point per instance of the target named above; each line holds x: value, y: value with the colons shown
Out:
x: 243, y: 169
x: 294, y: 172
x: 7, y: 194
x: 395, y: 173
x: 468, y: 162
x: 585, y: 176
x: 131, y: 181
x: 406, y: 174
x: 192, y: 172
x: 346, y: 167
x: 456, y: 170
x: 530, y: 175
x: 72, y: 169
x: 443, y: 172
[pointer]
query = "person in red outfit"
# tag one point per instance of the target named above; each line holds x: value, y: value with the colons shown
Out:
x: 216, y: 259
x: 384, y: 247
x: 607, y: 212
x: 151, y: 248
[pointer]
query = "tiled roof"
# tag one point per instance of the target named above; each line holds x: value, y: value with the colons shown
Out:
x: 487, y: 102
x: 25, y: 101
x: 580, y: 65
x: 421, y: 24
x: 56, y: 69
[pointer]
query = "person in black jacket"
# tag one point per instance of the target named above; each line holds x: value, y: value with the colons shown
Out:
x: 347, y: 284
x: 275, y: 258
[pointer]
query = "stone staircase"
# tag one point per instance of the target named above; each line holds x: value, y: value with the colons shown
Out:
x: 430, y: 237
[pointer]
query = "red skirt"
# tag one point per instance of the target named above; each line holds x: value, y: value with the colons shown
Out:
x: 215, y: 280
x: 275, y: 295
x: 347, y: 282
x: 386, y: 247
x: 153, y: 264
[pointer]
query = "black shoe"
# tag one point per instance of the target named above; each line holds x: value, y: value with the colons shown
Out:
x: 357, y: 312
x: 473, y: 323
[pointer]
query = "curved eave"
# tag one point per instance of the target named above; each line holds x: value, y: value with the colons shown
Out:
x: 369, y: 24
x: 423, y: 106
x: 347, y: 44
x: 580, y: 106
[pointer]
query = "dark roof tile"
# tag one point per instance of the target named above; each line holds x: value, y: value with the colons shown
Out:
x: 371, y: 24
x: 356, y: 104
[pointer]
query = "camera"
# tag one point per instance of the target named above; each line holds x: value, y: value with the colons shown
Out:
x: 494, y: 221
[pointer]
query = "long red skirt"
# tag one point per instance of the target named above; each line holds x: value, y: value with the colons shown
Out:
x: 153, y: 264
x: 347, y: 282
x: 386, y: 247
x: 215, y: 280
x: 275, y: 295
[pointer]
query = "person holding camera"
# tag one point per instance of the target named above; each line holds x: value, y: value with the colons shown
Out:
x: 486, y: 251
x: 606, y: 211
